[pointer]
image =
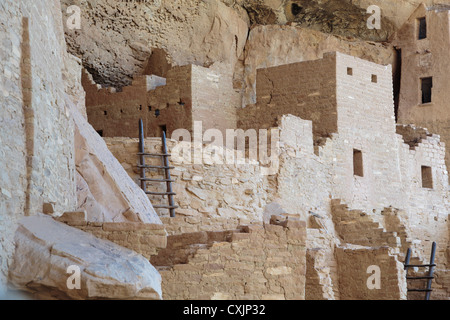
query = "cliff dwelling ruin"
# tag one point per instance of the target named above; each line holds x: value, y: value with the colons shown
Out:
x: 224, y: 150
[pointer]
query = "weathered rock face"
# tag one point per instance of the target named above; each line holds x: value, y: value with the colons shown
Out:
x: 105, y: 190
x: 36, y: 133
x: 116, y: 38
x: 45, y: 249
x: 340, y: 17
x: 337, y: 17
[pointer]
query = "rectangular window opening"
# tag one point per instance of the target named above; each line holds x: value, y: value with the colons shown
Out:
x: 422, y: 25
x: 426, y: 87
x: 350, y: 71
x: 163, y: 129
x: 427, y: 177
x: 374, y: 78
x: 358, y: 169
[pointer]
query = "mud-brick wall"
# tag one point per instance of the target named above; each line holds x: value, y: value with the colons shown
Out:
x: 157, y: 101
x: 306, y: 90
x: 145, y: 239
x: 354, y: 274
x: 255, y: 262
x: 36, y: 134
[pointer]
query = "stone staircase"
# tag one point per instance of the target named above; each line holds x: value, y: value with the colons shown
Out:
x: 358, y: 228
x: 180, y: 248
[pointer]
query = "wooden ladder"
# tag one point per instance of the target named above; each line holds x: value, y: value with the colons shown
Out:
x: 430, y: 275
x: 165, y: 166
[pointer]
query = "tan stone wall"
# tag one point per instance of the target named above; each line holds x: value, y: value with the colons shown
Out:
x: 425, y: 58
x: 274, y: 45
x: 306, y: 90
x: 36, y: 147
x: 189, y: 93
x: 217, y: 190
x: 312, y: 174
x: 353, y: 264
x: 117, y: 114
x: 145, y: 239
x: 255, y: 262
x: 189, y: 224
x: 214, y: 100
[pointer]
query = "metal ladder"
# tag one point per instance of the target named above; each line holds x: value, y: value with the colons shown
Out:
x: 430, y: 275
x: 165, y: 166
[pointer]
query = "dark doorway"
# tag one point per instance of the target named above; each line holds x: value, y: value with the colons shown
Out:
x: 426, y: 85
x: 397, y: 79
x: 358, y: 169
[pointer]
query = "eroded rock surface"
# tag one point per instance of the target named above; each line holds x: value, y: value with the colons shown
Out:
x: 116, y: 37
x: 104, y: 188
x: 45, y: 249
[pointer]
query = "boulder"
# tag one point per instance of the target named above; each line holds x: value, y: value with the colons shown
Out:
x: 49, y: 253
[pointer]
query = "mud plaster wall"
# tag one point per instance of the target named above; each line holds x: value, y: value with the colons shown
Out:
x: 36, y: 154
x: 425, y: 58
x: 306, y: 90
x: 189, y: 93
x: 353, y: 276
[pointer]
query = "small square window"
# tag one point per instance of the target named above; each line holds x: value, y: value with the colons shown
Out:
x: 105, y: 113
x: 350, y: 71
x: 358, y: 169
x: 374, y: 78
x: 427, y: 177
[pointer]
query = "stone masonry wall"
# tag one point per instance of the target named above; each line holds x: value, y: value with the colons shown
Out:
x: 145, y: 239
x: 117, y: 114
x: 214, y: 100
x: 232, y: 191
x: 36, y: 151
x: 187, y: 94
x: 306, y: 90
x: 353, y: 265
x: 254, y: 262
x: 425, y: 58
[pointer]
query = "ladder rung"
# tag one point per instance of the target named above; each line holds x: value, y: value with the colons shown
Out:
x: 155, y: 167
x: 165, y: 207
x: 419, y: 278
x: 419, y: 265
x: 420, y: 290
x: 161, y: 193
x: 156, y: 180
x: 154, y: 154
